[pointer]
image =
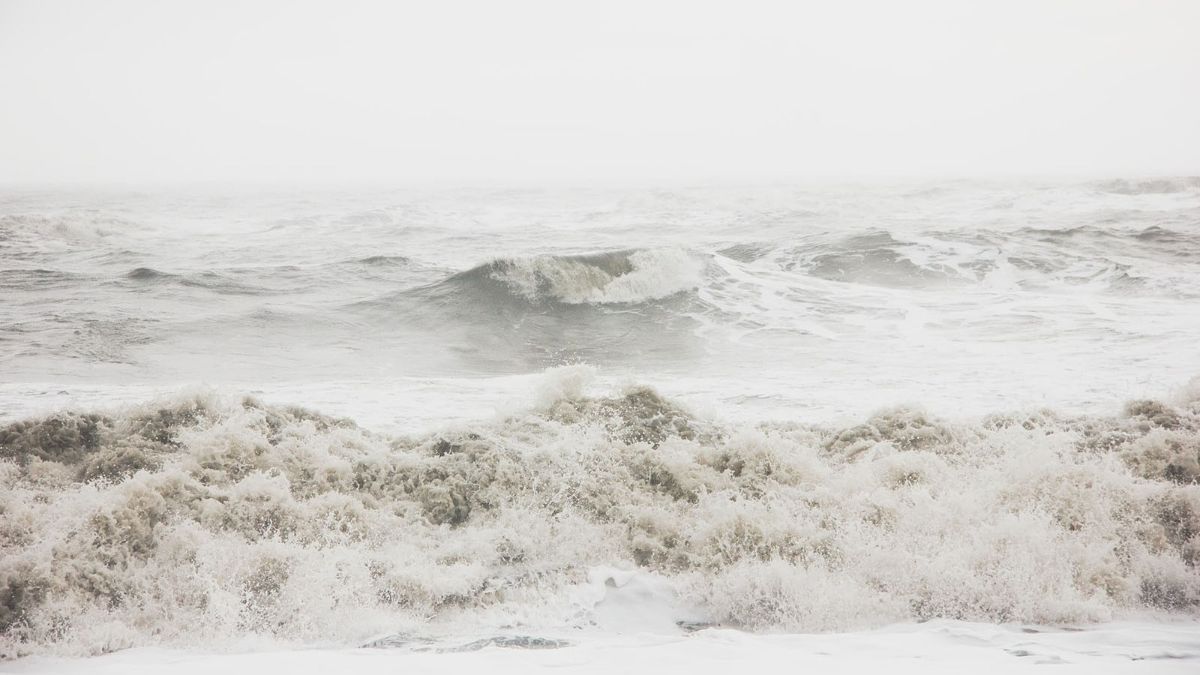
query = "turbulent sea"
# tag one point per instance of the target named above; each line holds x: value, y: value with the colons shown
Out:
x: 543, y: 426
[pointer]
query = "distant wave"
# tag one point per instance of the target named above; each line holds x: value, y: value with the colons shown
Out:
x: 227, y: 282
x: 1162, y: 234
x: 1108, y: 259
x: 1153, y: 233
x: 272, y: 279
x: 77, y: 228
x: 1150, y: 185
x: 202, y: 520
x: 383, y: 260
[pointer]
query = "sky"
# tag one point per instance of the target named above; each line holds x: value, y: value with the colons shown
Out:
x: 530, y: 92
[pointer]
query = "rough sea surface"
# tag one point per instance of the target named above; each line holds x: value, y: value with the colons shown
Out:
x: 446, y: 421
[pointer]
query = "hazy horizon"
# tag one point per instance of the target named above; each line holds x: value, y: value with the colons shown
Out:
x: 466, y: 93
x: 637, y: 336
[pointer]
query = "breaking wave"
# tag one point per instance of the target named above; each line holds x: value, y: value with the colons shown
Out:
x: 203, y: 519
x: 875, y: 258
x: 1137, y: 261
x: 618, y: 277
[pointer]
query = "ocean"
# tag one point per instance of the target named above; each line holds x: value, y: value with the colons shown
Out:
x: 920, y: 426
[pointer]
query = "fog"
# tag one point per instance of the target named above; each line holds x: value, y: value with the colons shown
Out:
x: 549, y: 92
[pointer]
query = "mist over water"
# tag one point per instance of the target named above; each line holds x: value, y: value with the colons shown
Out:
x: 411, y: 416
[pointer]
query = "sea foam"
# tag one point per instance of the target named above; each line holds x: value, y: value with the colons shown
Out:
x: 206, y: 519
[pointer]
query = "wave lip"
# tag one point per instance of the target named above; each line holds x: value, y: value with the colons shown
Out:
x: 616, y: 277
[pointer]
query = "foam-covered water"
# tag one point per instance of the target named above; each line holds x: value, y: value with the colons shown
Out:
x: 400, y: 418
x: 828, y: 302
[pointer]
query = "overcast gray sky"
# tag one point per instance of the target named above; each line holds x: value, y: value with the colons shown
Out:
x: 536, y: 92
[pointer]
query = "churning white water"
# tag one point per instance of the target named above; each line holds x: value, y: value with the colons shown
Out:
x: 454, y: 421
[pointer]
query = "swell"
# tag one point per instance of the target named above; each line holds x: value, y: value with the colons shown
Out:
x: 275, y: 279
x: 202, y: 520
x: 39, y: 279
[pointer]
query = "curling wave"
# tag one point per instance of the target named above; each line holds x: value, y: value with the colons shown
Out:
x: 617, y: 277
x: 204, y: 519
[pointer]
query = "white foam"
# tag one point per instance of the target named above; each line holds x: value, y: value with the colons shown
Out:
x: 936, y: 647
x: 653, y: 274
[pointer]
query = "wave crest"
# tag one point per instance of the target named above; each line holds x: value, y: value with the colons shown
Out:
x: 618, y: 277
